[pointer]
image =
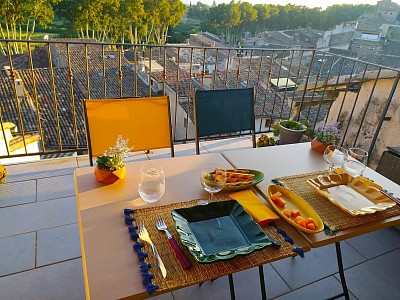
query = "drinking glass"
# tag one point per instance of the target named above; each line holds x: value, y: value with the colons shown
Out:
x: 213, y: 179
x: 335, y: 156
x: 356, y: 162
x: 151, y: 183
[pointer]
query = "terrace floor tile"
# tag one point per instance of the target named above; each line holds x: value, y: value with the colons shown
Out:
x: 376, y: 243
x: 318, y: 263
x: 321, y: 289
x: 377, y: 278
x: 16, y: 193
x: 58, y: 244
x: 36, y: 216
x: 55, y: 187
x: 59, y: 281
x: 17, y: 253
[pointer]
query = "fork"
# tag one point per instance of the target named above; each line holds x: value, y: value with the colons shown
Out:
x: 160, y: 224
x: 144, y: 236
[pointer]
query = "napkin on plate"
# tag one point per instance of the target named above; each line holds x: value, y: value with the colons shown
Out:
x: 258, y: 210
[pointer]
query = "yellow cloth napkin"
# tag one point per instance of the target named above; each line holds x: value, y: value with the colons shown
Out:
x: 258, y: 210
x: 366, y: 180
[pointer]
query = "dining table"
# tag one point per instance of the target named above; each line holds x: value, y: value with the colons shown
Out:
x: 111, y: 267
x: 292, y: 165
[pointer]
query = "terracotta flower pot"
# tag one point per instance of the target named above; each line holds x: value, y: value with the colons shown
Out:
x: 109, y: 176
x: 318, y: 146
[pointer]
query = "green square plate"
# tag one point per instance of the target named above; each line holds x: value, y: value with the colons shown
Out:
x: 218, y: 231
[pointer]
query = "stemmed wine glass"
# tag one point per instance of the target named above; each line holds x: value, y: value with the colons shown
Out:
x: 213, y: 179
x: 151, y: 183
x: 356, y: 162
x: 335, y: 156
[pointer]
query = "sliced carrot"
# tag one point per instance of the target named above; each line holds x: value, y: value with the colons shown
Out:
x: 311, y: 220
x: 295, y: 213
x: 298, y: 218
x: 276, y: 195
x: 287, y: 212
x: 311, y: 226
x: 302, y: 223
x: 279, y: 201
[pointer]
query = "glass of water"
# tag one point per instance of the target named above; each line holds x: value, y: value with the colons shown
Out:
x: 335, y: 156
x: 356, y: 162
x: 151, y: 183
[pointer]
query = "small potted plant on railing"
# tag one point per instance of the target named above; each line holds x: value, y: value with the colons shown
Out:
x: 290, y: 131
x: 110, y: 166
x: 326, y: 134
x: 264, y: 141
x: 3, y: 173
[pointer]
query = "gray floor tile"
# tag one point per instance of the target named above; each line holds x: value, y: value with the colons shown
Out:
x: 377, y: 278
x: 41, y: 169
x: 376, y: 243
x: 36, y: 216
x: 246, y: 283
x: 167, y: 296
x: 321, y: 289
x: 58, y: 244
x: 59, y: 281
x: 16, y: 193
x: 210, y: 290
x: 17, y: 253
x: 228, y: 144
x: 318, y: 263
x: 55, y: 187
x: 179, y: 150
x: 39, y: 175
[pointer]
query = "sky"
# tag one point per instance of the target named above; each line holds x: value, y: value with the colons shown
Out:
x: 310, y: 3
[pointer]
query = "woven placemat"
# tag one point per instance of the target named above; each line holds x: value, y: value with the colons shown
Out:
x: 199, y: 272
x: 335, y: 218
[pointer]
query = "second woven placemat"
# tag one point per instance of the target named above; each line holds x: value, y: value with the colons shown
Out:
x: 176, y: 276
x: 335, y: 218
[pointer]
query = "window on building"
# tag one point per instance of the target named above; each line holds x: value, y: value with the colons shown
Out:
x: 268, y: 123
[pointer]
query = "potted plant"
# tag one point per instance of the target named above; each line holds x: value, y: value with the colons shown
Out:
x: 3, y: 173
x: 290, y: 131
x: 264, y: 141
x: 110, y: 166
x: 326, y: 134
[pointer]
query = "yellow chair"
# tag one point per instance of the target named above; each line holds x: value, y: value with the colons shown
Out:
x: 145, y: 121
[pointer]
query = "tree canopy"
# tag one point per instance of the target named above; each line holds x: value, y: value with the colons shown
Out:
x: 231, y: 20
x: 149, y: 21
x: 139, y: 21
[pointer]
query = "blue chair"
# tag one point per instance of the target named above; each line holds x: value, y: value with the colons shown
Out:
x: 228, y: 112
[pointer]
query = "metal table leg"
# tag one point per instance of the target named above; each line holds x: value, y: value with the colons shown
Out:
x: 231, y: 287
x: 341, y: 273
x: 262, y: 283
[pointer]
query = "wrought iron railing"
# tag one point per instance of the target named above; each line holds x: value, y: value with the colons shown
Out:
x: 42, y: 89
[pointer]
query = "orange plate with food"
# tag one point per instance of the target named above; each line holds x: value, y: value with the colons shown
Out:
x: 294, y: 209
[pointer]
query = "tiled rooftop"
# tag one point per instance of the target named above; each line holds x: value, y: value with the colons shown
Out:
x: 41, y: 257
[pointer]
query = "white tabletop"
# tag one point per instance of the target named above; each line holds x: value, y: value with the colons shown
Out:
x: 285, y: 160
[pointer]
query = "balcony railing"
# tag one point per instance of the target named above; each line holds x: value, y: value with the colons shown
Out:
x: 42, y: 89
